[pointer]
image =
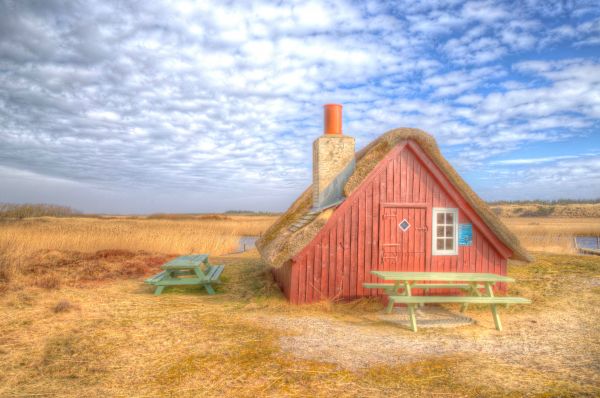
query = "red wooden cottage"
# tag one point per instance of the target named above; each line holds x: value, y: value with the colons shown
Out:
x: 396, y: 205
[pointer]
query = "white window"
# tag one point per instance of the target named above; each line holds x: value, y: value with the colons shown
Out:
x: 445, y: 227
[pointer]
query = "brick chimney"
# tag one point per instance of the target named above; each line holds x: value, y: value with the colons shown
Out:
x: 333, y: 160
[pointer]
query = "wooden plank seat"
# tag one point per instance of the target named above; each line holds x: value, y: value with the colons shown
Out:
x: 156, y: 278
x: 214, y: 272
x: 385, y: 286
x: 184, y: 281
x: 458, y: 299
x: 187, y: 270
x: 412, y: 301
x: 389, y: 287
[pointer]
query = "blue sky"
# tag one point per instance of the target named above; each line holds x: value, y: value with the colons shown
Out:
x: 134, y: 107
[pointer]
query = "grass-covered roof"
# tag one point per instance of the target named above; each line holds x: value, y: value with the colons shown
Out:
x: 278, y: 244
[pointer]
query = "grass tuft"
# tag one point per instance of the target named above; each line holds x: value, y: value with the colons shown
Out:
x: 49, y: 282
x: 63, y: 306
x: 73, y: 358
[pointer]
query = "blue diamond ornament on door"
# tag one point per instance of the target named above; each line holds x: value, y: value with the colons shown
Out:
x: 404, y: 225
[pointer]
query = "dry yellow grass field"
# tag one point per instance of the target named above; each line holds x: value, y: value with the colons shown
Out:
x: 76, y: 320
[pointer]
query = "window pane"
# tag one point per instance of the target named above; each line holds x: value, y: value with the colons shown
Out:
x: 440, y: 231
x: 449, y: 231
x: 439, y: 244
x: 449, y: 244
x: 440, y: 218
x: 449, y: 218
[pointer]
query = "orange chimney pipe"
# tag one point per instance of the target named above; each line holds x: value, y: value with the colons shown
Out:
x: 333, y: 119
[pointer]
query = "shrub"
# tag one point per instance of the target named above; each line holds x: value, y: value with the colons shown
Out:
x: 540, y: 211
x: 10, y: 210
x: 112, y: 253
x: 49, y: 282
x: 186, y: 217
x: 63, y: 306
x: 5, y: 274
x: 6, y: 271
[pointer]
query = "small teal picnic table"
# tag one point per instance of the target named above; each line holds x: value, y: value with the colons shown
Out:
x: 187, y: 270
x: 399, y: 291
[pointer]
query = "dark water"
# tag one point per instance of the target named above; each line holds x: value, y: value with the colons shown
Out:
x: 588, y: 242
x: 247, y: 243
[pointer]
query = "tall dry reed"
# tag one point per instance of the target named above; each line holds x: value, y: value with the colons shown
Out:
x: 553, y: 235
x: 214, y: 236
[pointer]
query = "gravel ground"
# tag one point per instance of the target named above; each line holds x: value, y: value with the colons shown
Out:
x: 554, y: 341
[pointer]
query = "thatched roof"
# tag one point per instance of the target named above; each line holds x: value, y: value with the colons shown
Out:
x: 278, y: 244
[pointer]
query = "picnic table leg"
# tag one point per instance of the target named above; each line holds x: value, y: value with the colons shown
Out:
x: 408, y: 291
x: 496, y: 317
x: 202, y: 276
x: 198, y: 272
x: 407, y: 288
x: 209, y: 288
x: 390, y: 305
x: 413, y: 318
x: 427, y: 294
x: 464, y: 306
x: 411, y: 307
x: 490, y: 292
x: 475, y: 292
x: 168, y: 275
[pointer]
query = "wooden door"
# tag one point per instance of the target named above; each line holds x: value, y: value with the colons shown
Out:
x: 403, y: 238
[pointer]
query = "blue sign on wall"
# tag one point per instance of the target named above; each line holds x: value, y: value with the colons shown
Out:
x: 465, y: 234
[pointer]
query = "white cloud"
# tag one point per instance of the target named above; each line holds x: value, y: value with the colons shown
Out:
x: 573, y: 88
x: 459, y: 81
x: 469, y: 99
x: 227, y: 95
x: 528, y: 161
x: 486, y: 11
x: 104, y: 115
x: 567, y: 177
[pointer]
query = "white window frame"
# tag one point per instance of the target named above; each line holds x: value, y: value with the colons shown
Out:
x: 434, y: 250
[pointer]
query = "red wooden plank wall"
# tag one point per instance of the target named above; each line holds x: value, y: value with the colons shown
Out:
x: 282, y: 276
x: 339, y: 259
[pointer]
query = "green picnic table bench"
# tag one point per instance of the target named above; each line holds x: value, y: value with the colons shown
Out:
x: 187, y: 270
x: 400, y: 284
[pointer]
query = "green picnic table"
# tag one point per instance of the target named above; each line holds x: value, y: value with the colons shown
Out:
x: 193, y: 269
x: 399, y: 288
